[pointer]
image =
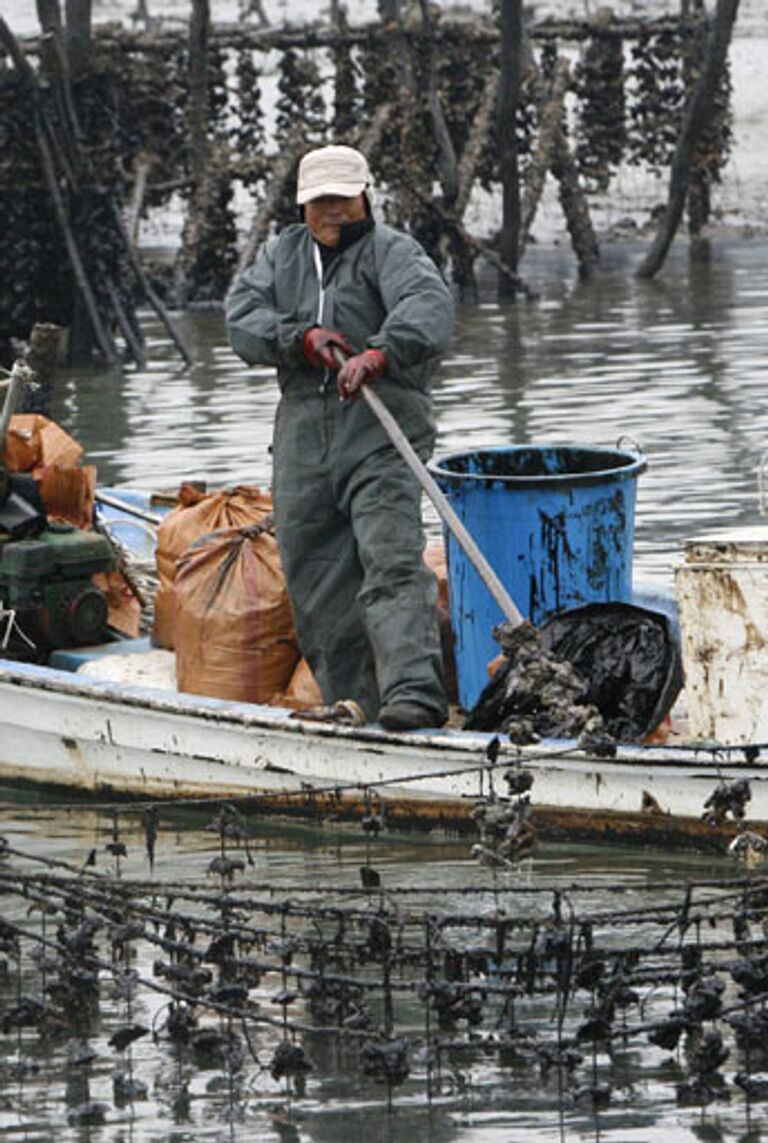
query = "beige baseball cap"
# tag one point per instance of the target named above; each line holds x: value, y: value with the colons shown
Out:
x: 333, y: 170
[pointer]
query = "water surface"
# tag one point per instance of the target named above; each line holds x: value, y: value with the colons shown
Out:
x: 50, y: 1085
x: 676, y: 366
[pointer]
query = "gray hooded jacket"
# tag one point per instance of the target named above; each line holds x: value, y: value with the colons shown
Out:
x: 347, y: 510
x: 383, y: 292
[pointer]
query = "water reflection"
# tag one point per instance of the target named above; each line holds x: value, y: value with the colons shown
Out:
x: 676, y: 364
x: 60, y: 1083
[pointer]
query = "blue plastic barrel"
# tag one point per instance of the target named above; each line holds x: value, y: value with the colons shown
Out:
x: 555, y: 522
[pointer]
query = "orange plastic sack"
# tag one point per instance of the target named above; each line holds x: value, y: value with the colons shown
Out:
x: 124, y: 609
x: 41, y: 447
x: 302, y: 691
x: 68, y: 493
x: 34, y: 442
x: 198, y: 514
x: 233, y: 622
x: 435, y: 559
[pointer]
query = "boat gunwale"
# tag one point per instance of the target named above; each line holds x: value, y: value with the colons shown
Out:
x: 447, y: 740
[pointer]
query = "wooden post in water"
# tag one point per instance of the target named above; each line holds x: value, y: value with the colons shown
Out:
x: 698, y: 202
x: 199, y: 96
x: 694, y: 122
x: 447, y: 170
x: 509, y: 95
x: 42, y: 357
x: 199, y: 149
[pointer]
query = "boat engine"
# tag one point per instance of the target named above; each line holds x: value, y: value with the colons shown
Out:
x: 46, y: 590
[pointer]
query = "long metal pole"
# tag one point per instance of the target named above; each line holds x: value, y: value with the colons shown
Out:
x: 443, y: 506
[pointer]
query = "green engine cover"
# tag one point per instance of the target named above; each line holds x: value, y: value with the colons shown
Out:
x: 47, y: 581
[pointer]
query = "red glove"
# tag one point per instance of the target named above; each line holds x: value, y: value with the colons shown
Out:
x: 320, y: 346
x: 358, y: 371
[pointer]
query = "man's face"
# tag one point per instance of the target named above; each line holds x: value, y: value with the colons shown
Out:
x: 326, y: 214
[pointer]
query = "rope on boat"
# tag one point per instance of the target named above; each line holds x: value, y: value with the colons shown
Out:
x: 10, y: 627
x: 140, y: 573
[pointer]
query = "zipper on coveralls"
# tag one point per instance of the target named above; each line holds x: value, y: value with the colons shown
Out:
x: 323, y: 386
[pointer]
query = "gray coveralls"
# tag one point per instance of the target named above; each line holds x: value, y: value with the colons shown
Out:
x: 347, y: 510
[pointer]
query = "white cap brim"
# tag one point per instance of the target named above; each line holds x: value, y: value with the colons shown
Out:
x: 343, y: 190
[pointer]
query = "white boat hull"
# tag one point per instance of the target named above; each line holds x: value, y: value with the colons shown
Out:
x: 58, y: 729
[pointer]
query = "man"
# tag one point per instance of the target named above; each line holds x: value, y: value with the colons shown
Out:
x: 347, y: 510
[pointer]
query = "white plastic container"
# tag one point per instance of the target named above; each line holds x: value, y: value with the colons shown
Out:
x: 722, y: 593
